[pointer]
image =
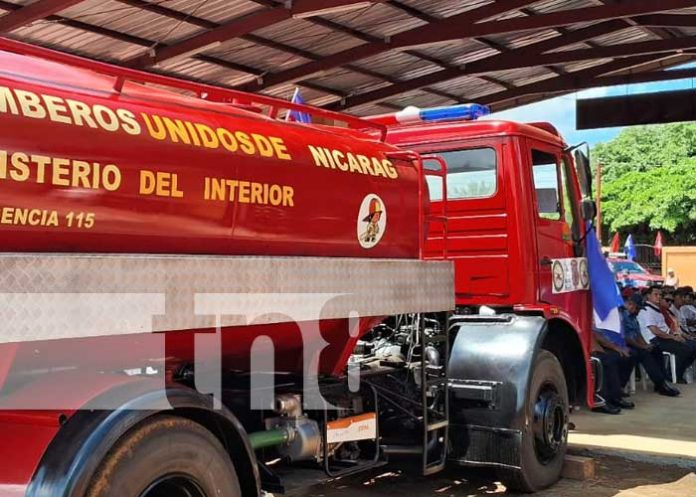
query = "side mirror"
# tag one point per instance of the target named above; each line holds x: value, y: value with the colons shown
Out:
x: 582, y: 166
x: 588, y: 208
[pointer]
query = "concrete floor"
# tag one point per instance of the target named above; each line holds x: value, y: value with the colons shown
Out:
x: 658, y: 426
x: 616, y: 477
x: 647, y: 452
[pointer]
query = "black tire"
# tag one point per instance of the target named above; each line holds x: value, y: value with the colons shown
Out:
x: 545, y: 436
x: 166, y: 456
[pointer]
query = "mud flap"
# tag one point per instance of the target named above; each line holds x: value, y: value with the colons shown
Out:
x: 490, y: 370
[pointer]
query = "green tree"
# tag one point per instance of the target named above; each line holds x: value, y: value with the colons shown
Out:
x: 649, y: 181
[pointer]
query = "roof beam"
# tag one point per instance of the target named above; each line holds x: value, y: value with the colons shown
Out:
x: 378, y: 46
x: 659, y: 32
x: 483, y: 66
x: 572, y: 81
x: 236, y: 28
x: 667, y: 20
x: 464, y: 25
x: 623, y: 50
x: 560, y: 31
x: 136, y: 40
x: 33, y: 12
x: 445, y: 30
x: 356, y: 34
x: 638, y: 77
x: 204, y: 23
x: 499, y: 47
x: 653, y: 65
x: 604, y: 52
x: 586, y: 78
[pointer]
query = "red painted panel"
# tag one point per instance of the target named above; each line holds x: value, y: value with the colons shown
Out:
x: 24, y: 445
x: 277, y: 197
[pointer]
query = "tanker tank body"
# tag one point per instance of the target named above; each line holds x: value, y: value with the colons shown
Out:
x: 145, y: 230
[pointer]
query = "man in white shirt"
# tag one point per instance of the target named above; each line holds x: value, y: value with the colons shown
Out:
x: 655, y: 331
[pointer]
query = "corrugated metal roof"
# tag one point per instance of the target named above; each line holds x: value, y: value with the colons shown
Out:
x: 120, y: 30
x: 132, y: 20
x: 304, y: 34
x: 547, y: 6
x: 460, y: 51
x: 445, y: 8
x: 76, y: 40
x: 467, y: 86
x: 399, y: 64
x: 214, y: 10
x: 378, y: 20
x: 518, y: 40
x: 346, y: 80
x: 263, y: 58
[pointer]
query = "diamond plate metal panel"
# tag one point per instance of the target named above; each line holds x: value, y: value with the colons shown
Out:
x: 46, y: 296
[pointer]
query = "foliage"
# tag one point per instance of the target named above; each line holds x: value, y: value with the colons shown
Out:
x: 661, y: 198
x: 649, y: 180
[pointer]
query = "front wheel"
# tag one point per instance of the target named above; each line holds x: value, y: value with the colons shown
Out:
x: 545, y: 434
x: 166, y: 456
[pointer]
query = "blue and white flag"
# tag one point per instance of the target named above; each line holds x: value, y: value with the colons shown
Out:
x: 630, y: 248
x: 296, y: 115
x: 606, y: 298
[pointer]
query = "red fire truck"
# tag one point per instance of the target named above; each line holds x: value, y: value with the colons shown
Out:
x: 199, y: 299
x: 514, y: 204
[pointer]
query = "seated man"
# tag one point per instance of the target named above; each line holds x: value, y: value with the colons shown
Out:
x: 686, y: 313
x: 689, y: 299
x: 655, y: 331
x: 674, y: 319
x: 640, y: 350
x: 617, y: 365
x: 666, y: 308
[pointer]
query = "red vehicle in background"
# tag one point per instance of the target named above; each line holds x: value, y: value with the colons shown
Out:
x: 632, y: 275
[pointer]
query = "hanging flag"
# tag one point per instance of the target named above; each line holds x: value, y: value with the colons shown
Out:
x: 606, y: 298
x: 630, y: 248
x: 296, y: 115
x: 615, y: 243
x: 658, y: 244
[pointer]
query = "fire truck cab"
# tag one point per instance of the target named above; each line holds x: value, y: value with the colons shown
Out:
x: 509, y: 210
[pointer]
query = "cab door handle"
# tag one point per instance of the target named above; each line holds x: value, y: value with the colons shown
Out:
x: 546, y: 261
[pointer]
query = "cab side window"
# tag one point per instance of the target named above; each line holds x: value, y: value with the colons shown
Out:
x: 545, y: 169
x: 471, y: 173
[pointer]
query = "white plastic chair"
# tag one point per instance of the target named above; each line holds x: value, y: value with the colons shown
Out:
x: 632, y: 379
x: 671, y: 359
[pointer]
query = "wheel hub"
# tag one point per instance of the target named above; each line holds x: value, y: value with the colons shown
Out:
x: 174, y: 486
x: 550, y: 424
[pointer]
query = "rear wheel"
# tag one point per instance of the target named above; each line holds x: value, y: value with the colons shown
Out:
x: 545, y: 436
x: 166, y: 457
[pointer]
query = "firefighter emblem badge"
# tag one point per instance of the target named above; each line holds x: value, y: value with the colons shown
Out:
x: 372, y: 221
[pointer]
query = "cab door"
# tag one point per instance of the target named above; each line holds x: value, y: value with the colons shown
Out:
x: 555, y: 219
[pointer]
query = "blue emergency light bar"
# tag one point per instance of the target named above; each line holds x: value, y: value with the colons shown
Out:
x: 464, y: 112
